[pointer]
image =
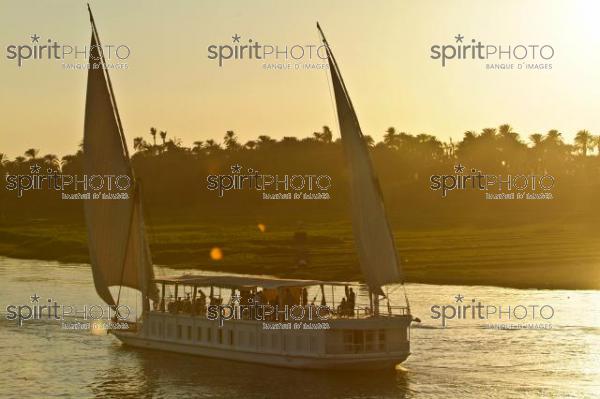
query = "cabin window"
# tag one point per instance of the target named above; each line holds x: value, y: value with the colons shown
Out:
x: 348, y: 340
x: 251, y: 339
x: 209, y: 334
x: 381, y: 340
x: 370, y: 341
x: 220, y: 336
x: 169, y: 330
x: 263, y: 340
x: 178, y: 331
x: 358, y: 341
x: 274, y: 341
x: 153, y: 330
x: 299, y: 343
x: 284, y: 341
x: 199, y: 334
x: 189, y: 332
x: 313, y: 344
x: 230, y: 337
x: 160, y: 329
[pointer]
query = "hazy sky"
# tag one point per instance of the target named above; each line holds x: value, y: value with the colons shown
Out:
x: 383, y: 48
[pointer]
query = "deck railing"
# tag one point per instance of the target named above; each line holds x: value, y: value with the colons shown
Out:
x: 359, y: 311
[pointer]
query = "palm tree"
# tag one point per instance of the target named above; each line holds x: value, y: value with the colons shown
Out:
x: 597, y: 144
x: 369, y: 141
x: 153, y: 133
x: 163, y: 136
x: 488, y: 133
x: 231, y: 141
x: 536, y: 139
x: 59, y: 163
x: 583, y: 141
x: 174, y: 145
x: 507, y: 132
x: 139, y: 143
x: 264, y: 140
x: 553, y: 137
x: 32, y: 153
x: 211, y: 146
x: 51, y: 159
x: 390, y: 138
x: 197, y: 148
x: 451, y: 148
x: 326, y: 136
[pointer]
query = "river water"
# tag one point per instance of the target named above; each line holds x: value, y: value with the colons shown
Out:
x: 552, y: 353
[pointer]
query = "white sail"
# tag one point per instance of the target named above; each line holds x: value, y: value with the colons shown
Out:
x: 372, y: 234
x: 118, y: 247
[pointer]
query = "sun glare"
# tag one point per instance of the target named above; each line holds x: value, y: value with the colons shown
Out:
x: 216, y: 253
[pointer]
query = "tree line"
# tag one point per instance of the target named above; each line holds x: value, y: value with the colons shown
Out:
x: 173, y: 176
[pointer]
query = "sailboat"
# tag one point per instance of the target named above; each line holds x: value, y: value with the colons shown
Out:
x: 179, y: 317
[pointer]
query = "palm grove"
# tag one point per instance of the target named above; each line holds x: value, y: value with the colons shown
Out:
x: 173, y: 176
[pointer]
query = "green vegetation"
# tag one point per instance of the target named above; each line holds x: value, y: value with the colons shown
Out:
x: 460, y: 239
x: 540, y: 256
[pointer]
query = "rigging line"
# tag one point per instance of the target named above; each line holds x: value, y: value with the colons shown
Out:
x: 329, y: 85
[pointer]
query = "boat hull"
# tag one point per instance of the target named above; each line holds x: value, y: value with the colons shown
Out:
x: 325, y: 362
x: 347, y: 344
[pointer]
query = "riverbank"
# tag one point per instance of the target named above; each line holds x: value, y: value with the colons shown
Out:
x: 565, y: 256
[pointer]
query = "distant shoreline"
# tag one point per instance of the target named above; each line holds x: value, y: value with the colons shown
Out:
x: 536, y: 257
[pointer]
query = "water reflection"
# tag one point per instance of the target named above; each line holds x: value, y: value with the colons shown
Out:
x: 144, y: 373
x: 42, y: 359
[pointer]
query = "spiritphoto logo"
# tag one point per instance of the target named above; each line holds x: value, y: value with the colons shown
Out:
x: 514, y: 316
x: 274, y: 316
x: 294, y: 56
x: 522, y: 186
x: 91, y: 186
x: 497, y: 56
x: 284, y: 186
x: 39, y: 48
x: 50, y: 309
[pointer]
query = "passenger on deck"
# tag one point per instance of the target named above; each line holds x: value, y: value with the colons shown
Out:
x: 187, y: 305
x: 201, y: 304
x: 351, y: 301
x: 342, y: 308
x: 244, y: 297
x: 258, y: 298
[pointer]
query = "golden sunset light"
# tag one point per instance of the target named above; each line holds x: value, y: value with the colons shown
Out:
x: 311, y: 199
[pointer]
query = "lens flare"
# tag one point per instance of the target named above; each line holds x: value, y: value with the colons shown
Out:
x: 262, y: 227
x: 216, y: 253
